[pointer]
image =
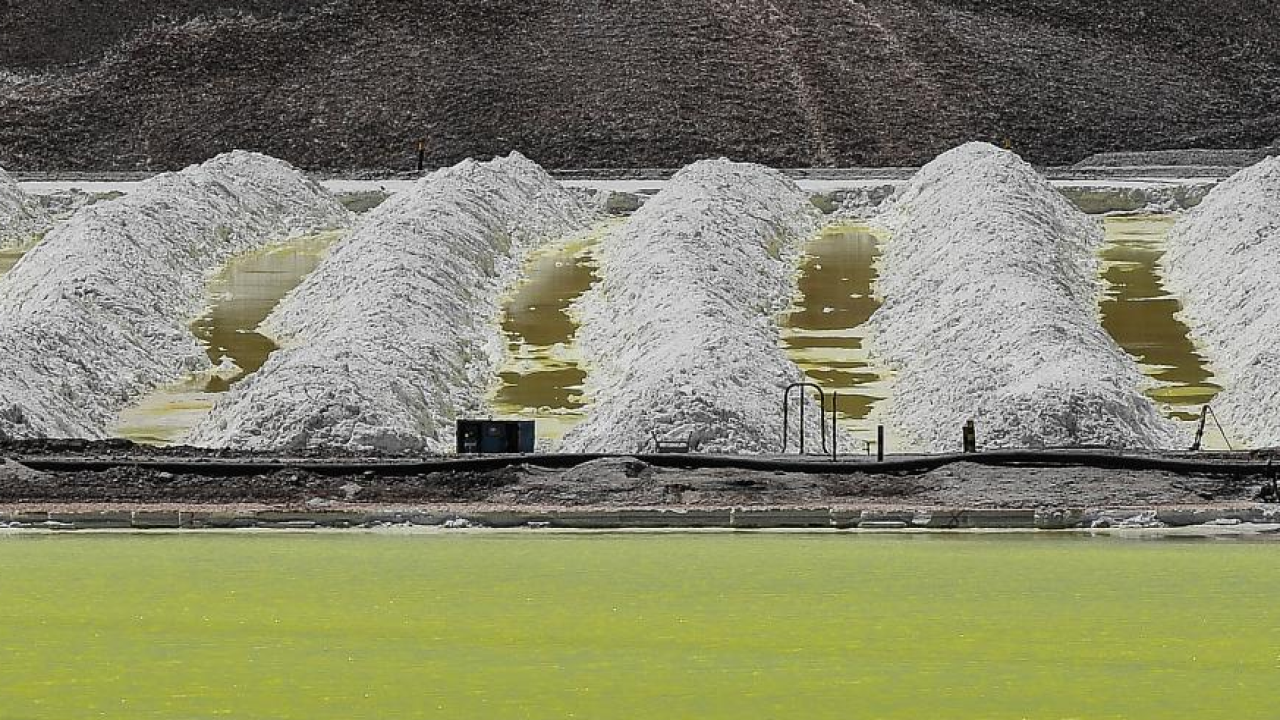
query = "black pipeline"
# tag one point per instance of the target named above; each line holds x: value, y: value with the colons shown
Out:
x: 1103, y: 460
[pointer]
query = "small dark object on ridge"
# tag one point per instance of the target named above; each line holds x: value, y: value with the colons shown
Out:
x: 970, y: 437
x: 496, y: 436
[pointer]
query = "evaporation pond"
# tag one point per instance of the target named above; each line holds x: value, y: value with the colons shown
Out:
x: 543, y: 379
x: 241, y: 296
x: 526, y: 625
x: 1141, y: 315
x: 825, y: 333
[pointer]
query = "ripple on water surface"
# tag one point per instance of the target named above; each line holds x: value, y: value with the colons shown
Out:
x: 241, y: 296
x: 825, y: 332
x: 1142, y: 316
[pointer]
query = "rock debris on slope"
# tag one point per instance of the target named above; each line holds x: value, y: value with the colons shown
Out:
x: 97, y: 314
x: 396, y: 333
x: 990, y: 313
x: 351, y: 84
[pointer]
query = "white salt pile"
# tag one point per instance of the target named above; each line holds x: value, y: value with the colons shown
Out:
x: 21, y: 217
x: 991, y: 313
x: 1223, y: 260
x: 679, y: 334
x: 397, y: 332
x: 97, y: 314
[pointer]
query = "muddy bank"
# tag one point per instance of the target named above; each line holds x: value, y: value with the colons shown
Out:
x: 620, y: 482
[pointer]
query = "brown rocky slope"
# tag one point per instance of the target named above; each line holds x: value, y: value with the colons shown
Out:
x: 347, y: 84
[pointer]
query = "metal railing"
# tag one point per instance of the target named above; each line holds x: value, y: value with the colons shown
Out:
x: 786, y: 416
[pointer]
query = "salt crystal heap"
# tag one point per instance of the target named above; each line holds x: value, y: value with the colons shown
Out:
x: 991, y: 313
x: 98, y: 313
x: 397, y: 332
x: 1223, y: 260
x: 679, y: 334
x: 21, y: 217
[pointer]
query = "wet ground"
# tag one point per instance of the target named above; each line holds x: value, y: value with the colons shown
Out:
x: 241, y: 297
x: 612, y: 482
x: 1142, y: 316
x: 542, y: 380
x: 9, y: 258
x: 825, y: 333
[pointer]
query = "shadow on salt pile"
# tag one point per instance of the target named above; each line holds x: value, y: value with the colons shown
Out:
x: 241, y: 296
x: 1141, y: 315
x: 542, y: 379
x: 825, y: 332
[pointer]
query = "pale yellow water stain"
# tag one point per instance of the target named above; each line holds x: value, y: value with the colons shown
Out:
x: 825, y: 333
x: 9, y: 258
x: 542, y: 380
x: 1142, y: 317
x: 241, y: 296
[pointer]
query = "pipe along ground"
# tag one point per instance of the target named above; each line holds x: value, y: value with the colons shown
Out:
x: 906, y: 465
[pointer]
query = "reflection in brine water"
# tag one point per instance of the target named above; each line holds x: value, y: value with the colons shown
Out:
x: 542, y: 381
x: 241, y: 296
x: 1141, y: 315
x: 825, y: 332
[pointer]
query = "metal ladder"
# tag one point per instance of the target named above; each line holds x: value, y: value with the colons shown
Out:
x: 822, y: 408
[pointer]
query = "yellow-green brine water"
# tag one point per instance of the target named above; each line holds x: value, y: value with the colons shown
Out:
x: 241, y: 296
x: 1142, y: 316
x: 707, y: 626
x: 543, y: 378
x: 826, y: 334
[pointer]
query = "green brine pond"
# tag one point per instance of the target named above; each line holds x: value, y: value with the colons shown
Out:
x: 528, y: 625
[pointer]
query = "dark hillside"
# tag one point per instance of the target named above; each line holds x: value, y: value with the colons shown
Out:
x: 348, y: 84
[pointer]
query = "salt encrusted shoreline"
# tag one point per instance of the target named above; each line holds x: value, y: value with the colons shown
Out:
x: 680, y: 333
x: 1224, y: 262
x: 396, y: 333
x: 990, y: 313
x: 97, y: 314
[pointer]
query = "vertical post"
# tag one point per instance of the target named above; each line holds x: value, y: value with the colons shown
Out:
x: 970, y: 438
x: 879, y: 443
x: 786, y: 419
x: 801, y: 421
x: 1204, y: 417
x: 422, y: 153
x: 835, y: 397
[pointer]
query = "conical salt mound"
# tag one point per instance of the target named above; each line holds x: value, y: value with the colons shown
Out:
x: 679, y: 333
x: 990, y: 313
x: 21, y: 217
x: 1224, y: 261
x: 97, y: 314
x: 397, y: 333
